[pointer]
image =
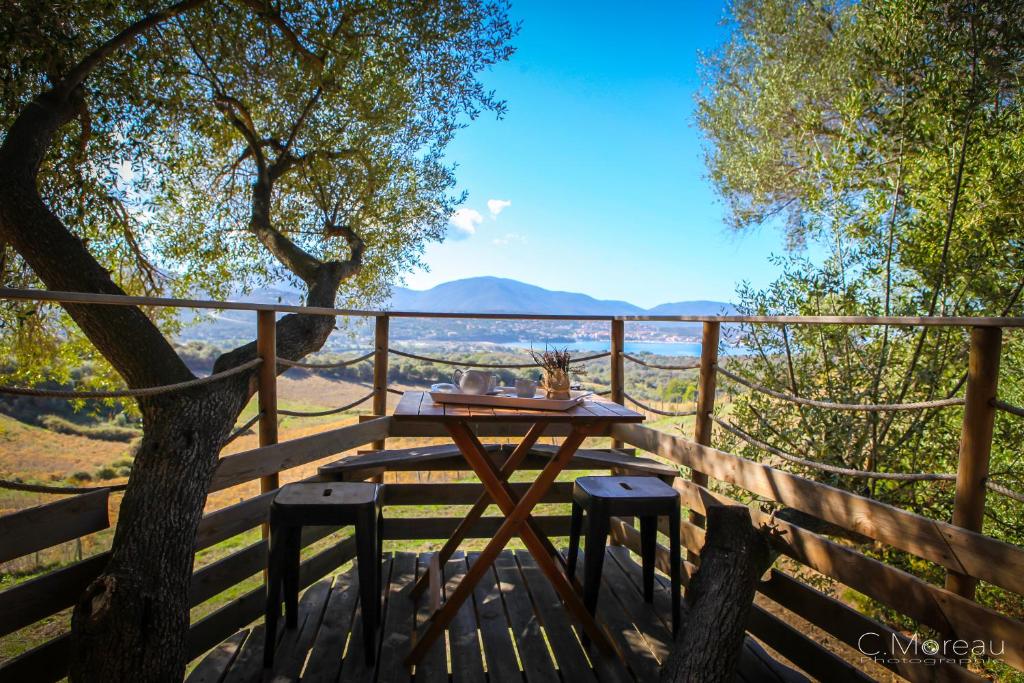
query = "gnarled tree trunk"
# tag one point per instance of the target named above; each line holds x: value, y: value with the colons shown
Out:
x: 132, y: 622
x: 719, y: 598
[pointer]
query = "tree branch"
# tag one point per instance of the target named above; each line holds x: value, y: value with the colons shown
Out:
x: 78, y: 73
x: 262, y: 9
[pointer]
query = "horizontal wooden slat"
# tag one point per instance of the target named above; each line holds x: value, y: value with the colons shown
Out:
x: 829, y: 614
x: 42, y: 526
x: 49, y: 661
x: 42, y: 664
x: 40, y: 597
x: 417, y: 528
x: 483, y: 430
x: 462, y: 494
x: 261, y: 462
x: 952, y: 547
x: 950, y: 614
x: 28, y: 602
x: 229, y: 521
x: 849, y: 626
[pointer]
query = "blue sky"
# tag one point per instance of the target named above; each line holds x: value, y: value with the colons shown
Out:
x: 601, y: 162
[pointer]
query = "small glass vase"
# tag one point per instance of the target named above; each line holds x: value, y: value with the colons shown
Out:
x: 556, y: 384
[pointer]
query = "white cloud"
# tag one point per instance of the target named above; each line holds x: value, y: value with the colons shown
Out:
x: 496, y: 206
x: 465, y: 222
x: 508, y: 238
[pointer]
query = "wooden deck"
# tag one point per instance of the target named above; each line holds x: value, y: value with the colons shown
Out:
x: 514, y: 630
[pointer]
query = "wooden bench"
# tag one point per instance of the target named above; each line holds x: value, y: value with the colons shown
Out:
x: 447, y: 457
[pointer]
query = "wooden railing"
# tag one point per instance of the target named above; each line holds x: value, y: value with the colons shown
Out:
x: 958, y: 546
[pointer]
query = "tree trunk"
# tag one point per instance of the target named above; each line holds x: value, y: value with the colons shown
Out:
x: 132, y: 622
x: 719, y: 598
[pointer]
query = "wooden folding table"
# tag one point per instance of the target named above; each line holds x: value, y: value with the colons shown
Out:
x: 591, y: 418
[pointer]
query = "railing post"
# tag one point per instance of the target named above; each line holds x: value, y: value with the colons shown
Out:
x: 266, y: 349
x: 976, y: 441
x: 702, y: 424
x: 380, y: 371
x: 617, y: 367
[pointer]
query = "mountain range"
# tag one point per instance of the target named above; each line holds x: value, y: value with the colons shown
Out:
x: 502, y: 295
x: 470, y: 295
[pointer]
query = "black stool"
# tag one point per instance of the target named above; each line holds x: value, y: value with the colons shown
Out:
x: 323, y: 504
x: 605, y: 497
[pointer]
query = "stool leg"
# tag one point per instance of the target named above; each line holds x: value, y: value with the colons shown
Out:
x: 676, y: 560
x: 291, y: 576
x: 593, y: 561
x: 574, y: 539
x: 379, y: 593
x: 369, y: 579
x: 648, y: 544
x: 272, y: 611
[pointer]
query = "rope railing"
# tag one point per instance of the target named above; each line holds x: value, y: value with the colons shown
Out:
x: 323, y: 366
x: 1008, y: 408
x: 243, y: 429
x: 322, y: 413
x: 496, y: 366
x: 62, y: 490
x: 862, y: 407
x: 656, y: 411
x: 657, y: 366
x: 993, y: 486
x: 824, y: 467
x: 131, y: 393
x: 396, y: 392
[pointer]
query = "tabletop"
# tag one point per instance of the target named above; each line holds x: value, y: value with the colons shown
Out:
x: 417, y: 405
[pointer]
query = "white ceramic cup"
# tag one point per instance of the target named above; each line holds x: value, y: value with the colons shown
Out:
x: 526, y: 388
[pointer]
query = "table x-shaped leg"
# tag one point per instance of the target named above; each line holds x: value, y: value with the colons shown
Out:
x: 517, y: 514
x: 507, y: 468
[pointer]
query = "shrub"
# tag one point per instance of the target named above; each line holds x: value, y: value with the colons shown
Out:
x: 104, y: 431
x: 81, y: 476
x: 105, y: 473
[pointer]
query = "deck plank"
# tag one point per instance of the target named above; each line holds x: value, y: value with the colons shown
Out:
x: 526, y: 629
x: 216, y: 664
x: 467, y: 665
x: 354, y: 667
x: 653, y: 629
x: 248, y: 664
x: 433, y: 668
x: 399, y: 621
x: 611, y: 613
x: 295, y: 643
x: 511, y: 612
x: 572, y: 663
x: 324, y: 662
x: 499, y: 654
x: 755, y: 663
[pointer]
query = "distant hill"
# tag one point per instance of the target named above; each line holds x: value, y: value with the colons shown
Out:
x: 476, y: 295
x: 501, y: 295
x: 699, y: 307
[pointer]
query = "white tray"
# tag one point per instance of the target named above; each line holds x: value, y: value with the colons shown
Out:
x: 506, y: 401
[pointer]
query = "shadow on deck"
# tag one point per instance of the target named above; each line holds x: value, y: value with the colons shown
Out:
x: 518, y: 632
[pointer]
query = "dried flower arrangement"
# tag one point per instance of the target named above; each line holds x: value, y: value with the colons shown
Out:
x: 552, y: 360
x: 557, y: 365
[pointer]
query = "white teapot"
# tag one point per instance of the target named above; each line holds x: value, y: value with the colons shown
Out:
x: 474, y: 381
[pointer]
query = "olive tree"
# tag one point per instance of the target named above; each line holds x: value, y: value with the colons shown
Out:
x: 208, y: 146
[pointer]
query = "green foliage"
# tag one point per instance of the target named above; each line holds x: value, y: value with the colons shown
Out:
x: 679, y: 390
x: 104, y: 432
x: 356, y: 100
x: 891, y: 134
